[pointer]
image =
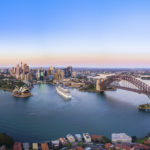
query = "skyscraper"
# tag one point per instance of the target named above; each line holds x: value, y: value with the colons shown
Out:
x: 68, y: 72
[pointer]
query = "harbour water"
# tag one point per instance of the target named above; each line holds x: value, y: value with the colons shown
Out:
x: 46, y: 116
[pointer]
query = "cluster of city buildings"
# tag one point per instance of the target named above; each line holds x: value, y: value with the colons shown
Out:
x: 65, y: 76
x: 24, y: 73
x: 21, y: 72
x: 119, y: 141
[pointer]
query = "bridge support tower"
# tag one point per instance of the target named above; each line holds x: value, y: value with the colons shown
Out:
x: 99, y: 85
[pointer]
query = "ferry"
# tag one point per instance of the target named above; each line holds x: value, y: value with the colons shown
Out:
x: 63, y: 92
x: 144, y: 107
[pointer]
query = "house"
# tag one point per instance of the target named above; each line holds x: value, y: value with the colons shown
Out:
x: 86, y: 137
x: 78, y: 137
x: 79, y: 148
x: 3, y: 147
x: 97, y: 138
x: 122, y: 147
x: 55, y: 144
x: 121, y: 138
x: 70, y: 138
x: 109, y: 146
x: 62, y: 142
x: 147, y: 142
x: 140, y: 147
x: 17, y: 146
x: 26, y: 146
x: 88, y: 148
x: 44, y: 146
x: 35, y: 146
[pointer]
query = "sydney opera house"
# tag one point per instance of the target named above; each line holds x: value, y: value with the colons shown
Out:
x: 21, y: 92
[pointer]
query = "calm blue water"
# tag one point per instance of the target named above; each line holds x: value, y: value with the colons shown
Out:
x: 47, y: 116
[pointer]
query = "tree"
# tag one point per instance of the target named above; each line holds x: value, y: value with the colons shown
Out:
x: 134, y: 138
x: 69, y: 145
x: 81, y: 144
x: 6, y: 140
x: 105, y: 140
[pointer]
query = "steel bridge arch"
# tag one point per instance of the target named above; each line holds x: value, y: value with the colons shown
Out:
x: 141, y: 86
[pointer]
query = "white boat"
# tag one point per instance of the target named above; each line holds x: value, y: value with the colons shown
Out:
x: 63, y: 92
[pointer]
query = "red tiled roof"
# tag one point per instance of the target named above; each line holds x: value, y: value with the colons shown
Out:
x: 79, y: 148
x: 107, y: 145
x: 141, y: 146
x: 96, y: 137
x: 124, y: 147
x: 147, y: 142
x: 44, y: 146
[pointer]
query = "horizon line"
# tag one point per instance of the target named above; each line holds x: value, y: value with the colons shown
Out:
x: 86, y: 67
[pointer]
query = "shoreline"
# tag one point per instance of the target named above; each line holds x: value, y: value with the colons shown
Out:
x: 94, y: 90
x: 22, y: 96
x: 15, y: 95
x: 88, y: 90
x: 138, y: 139
x: 6, y: 89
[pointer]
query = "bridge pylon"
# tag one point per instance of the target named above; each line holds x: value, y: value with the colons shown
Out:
x: 99, y: 85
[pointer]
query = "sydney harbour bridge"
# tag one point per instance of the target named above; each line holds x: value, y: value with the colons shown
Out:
x: 125, y: 82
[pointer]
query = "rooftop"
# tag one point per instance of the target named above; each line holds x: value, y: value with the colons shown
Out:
x: 44, y: 146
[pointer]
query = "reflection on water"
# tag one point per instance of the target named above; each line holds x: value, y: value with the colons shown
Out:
x: 46, y: 115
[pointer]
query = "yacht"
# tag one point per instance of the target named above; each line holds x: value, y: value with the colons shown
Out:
x: 63, y: 92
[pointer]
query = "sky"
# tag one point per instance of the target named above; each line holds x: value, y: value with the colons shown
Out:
x: 81, y: 33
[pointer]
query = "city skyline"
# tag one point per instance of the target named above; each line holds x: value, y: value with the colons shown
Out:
x: 77, y: 33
